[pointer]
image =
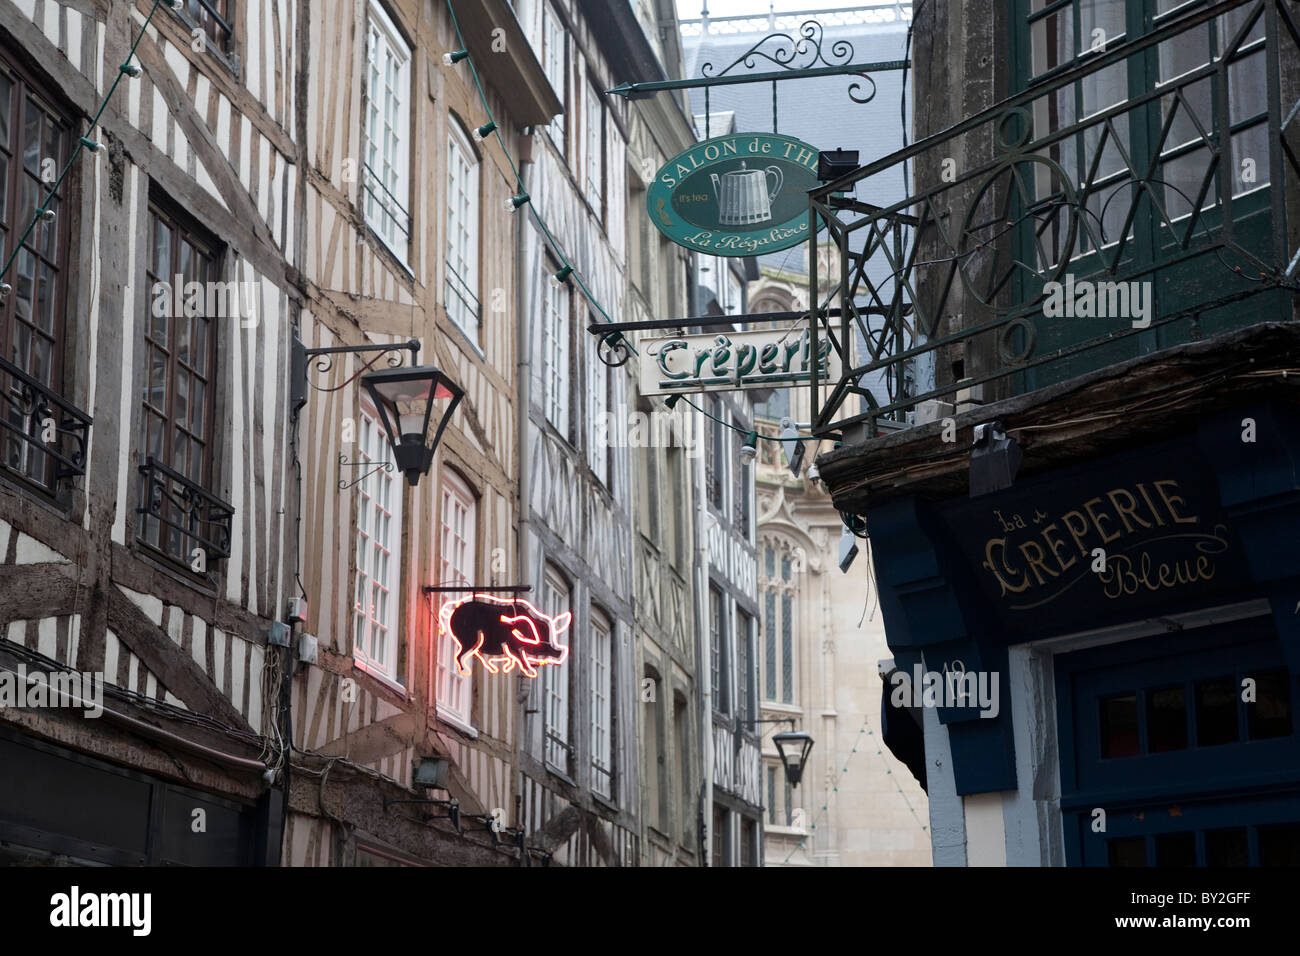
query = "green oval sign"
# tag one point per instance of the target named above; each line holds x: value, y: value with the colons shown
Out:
x: 739, y: 195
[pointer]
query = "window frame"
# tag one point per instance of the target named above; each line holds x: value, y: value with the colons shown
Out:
x: 454, y: 692
x: 557, y: 686
x: 719, y: 652
x: 554, y: 28
x: 468, y: 226
x: 779, y: 613
x: 599, y: 400
x: 557, y: 353
x: 375, y: 213
x: 603, y: 640
x: 150, y: 533
x: 594, y: 123
x: 388, y: 668
x: 25, y: 87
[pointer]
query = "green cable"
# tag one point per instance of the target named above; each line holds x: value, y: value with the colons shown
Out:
x: 80, y: 145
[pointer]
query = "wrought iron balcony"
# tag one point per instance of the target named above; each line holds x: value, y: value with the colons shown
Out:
x: 181, y: 518
x: 1173, y: 200
x: 46, y: 440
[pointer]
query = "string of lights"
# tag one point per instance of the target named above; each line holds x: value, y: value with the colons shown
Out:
x: 128, y: 68
x: 866, y: 722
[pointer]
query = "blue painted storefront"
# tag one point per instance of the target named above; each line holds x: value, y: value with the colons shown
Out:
x: 1198, y: 521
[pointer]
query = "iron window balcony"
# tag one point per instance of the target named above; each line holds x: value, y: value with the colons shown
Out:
x: 946, y: 295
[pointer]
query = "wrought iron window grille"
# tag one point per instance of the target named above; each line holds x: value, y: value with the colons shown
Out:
x: 37, y: 416
x: 202, y: 520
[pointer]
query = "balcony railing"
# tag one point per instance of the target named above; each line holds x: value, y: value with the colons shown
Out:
x: 1179, y: 194
x: 46, y: 434
x: 181, y: 519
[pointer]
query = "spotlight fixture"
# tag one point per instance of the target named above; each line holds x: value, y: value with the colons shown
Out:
x: 834, y: 163
x: 484, y: 131
x: 848, y: 548
x: 451, y: 59
x: 792, y: 445
x: 994, y: 461
x: 749, y: 449
x: 561, y: 278
x: 514, y: 202
x: 672, y: 400
x: 814, y: 473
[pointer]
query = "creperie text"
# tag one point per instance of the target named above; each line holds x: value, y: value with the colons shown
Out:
x: 1056, y: 547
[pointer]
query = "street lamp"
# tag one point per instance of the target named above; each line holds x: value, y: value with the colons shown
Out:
x: 405, y: 399
x: 800, y: 745
x: 794, y: 759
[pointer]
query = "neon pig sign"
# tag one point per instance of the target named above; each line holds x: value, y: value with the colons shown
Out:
x: 503, y: 631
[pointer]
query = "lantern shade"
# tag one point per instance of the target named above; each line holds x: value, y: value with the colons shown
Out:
x: 414, y: 405
x: 794, y: 747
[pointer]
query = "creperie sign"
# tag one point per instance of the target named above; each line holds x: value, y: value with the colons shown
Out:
x: 1110, y: 536
x: 503, y: 634
x: 769, y: 358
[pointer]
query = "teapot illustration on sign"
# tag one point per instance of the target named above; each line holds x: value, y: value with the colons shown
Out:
x: 743, y: 196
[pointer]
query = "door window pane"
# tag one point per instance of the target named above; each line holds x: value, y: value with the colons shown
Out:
x: 1166, y: 720
x: 1119, y: 736
x: 1216, y: 712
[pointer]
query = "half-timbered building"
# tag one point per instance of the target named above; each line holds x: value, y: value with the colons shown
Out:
x: 666, y: 491
x: 409, y: 237
x: 146, y: 500
x: 577, y: 753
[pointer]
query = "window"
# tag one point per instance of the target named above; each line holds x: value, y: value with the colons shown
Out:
x: 748, y: 842
x: 379, y: 541
x: 462, y: 232
x: 602, y: 705
x: 652, y: 732
x: 555, y: 62
x: 780, y: 797
x: 778, y: 623
x: 686, y: 772
x: 180, y: 355
x: 740, y: 493
x: 714, y: 455
x: 594, y: 160
x: 387, y: 145
x: 555, y: 357
x: 745, y: 704
x: 215, y: 19
x: 1143, y: 168
x: 598, y: 376
x: 721, y: 837
x: 718, y: 652
x: 456, y: 566
x: 556, y: 598
x: 34, y: 143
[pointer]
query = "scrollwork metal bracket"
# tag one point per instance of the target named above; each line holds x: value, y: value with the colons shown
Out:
x: 344, y: 484
x: 322, y: 360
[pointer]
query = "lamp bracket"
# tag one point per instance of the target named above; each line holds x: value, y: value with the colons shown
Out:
x: 471, y: 589
x: 324, y: 362
x: 344, y: 463
x: 772, y: 720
